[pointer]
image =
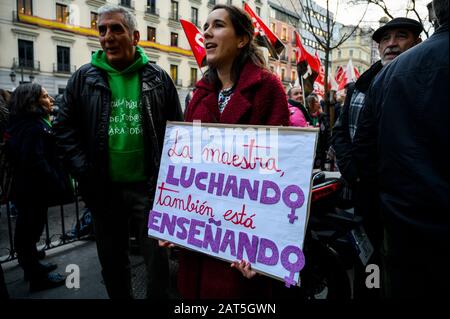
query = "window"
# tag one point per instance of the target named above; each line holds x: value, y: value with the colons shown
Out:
x: 174, y: 39
x: 193, y: 76
x: 293, y: 76
x: 174, y: 73
x: 273, y: 27
x: 151, y: 34
x: 62, y: 13
x: 284, y: 34
x: 283, y: 74
x: 229, y: 2
x: 26, y: 54
x: 272, y: 69
x: 194, y: 16
x: 151, y: 6
x: 125, y: 3
x: 258, y: 11
x: 63, y: 56
x: 174, y: 11
x: 94, y: 19
x: 339, y: 54
x: 25, y: 7
x: 350, y: 52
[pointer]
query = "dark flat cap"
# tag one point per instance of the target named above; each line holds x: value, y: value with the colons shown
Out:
x: 405, y: 23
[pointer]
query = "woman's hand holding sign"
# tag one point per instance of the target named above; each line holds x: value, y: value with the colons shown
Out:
x: 245, y: 268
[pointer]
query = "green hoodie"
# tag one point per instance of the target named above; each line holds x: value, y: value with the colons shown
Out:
x: 126, y: 140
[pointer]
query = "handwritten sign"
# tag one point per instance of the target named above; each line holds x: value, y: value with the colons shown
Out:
x: 236, y: 192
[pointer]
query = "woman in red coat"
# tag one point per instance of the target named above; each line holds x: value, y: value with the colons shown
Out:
x: 236, y: 89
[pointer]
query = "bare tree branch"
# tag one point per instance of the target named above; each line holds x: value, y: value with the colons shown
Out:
x: 380, y: 3
x: 414, y: 10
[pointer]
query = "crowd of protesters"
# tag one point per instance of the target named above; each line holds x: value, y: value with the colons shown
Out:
x: 390, y: 140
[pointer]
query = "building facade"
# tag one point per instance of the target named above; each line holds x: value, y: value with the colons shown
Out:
x: 47, y: 40
x: 287, y: 16
x: 359, y: 48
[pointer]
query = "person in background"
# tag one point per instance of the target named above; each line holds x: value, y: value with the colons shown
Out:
x: 394, y: 38
x: 299, y: 115
x: 110, y: 128
x: 405, y: 121
x: 236, y: 89
x: 320, y: 120
x: 39, y: 178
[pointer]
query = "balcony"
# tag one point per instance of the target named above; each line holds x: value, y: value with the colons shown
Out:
x: 64, y: 68
x: 174, y: 16
x: 258, y: 1
x: 211, y: 3
x: 127, y: 3
x: 152, y: 10
x: 178, y: 82
x: 30, y: 65
x: 174, y: 20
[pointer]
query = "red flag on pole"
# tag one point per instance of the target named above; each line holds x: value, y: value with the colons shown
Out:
x: 196, y: 41
x: 263, y: 35
x: 308, y: 66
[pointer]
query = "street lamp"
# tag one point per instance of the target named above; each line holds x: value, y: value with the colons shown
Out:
x: 12, y: 75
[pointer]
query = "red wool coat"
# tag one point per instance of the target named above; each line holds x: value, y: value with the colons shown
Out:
x: 258, y: 99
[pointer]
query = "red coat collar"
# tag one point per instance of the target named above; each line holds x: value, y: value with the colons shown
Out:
x: 239, y: 104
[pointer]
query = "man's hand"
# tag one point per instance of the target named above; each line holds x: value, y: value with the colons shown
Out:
x: 245, y: 268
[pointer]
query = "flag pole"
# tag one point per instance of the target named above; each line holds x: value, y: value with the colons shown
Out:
x: 303, y: 91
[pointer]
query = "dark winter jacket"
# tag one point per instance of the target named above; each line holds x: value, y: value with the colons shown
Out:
x: 341, y: 137
x: 38, y: 173
x: 83, y: 120
x: 407, y: 114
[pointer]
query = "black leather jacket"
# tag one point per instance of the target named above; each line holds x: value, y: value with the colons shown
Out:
x: 82, y: 122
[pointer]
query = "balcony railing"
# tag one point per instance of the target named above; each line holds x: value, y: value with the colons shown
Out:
x: 127, y: 3
x: 152, y: 10
x: 26, y: 64
x: 211, y: 2
x: 64, y: 68
x: 178, y: 82
x: 174, y: 16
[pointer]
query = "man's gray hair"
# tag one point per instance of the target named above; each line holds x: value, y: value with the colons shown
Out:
x: 312, y: 97
x: 130, y: 20
x: 440, y: 8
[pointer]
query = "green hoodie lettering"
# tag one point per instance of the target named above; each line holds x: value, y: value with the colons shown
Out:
x: 126, y: 139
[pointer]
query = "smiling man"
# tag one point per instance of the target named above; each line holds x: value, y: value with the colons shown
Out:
x: 110, y: 128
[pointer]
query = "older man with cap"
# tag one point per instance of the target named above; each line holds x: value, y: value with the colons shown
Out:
x: 393, y: 38
x: 409, y: 100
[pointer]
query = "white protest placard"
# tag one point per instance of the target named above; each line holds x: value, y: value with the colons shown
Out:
x: 236, y: 192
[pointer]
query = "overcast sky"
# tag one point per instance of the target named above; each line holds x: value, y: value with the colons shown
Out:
x: 352, y: 14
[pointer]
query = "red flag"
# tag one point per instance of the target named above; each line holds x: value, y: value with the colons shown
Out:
x: 308, y: 66
x: 339, y: 74
x: 356, y: 72
x: 263, y: 35
x: 196, y: 41
x: 348, y: 76
x: 319, y: 83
